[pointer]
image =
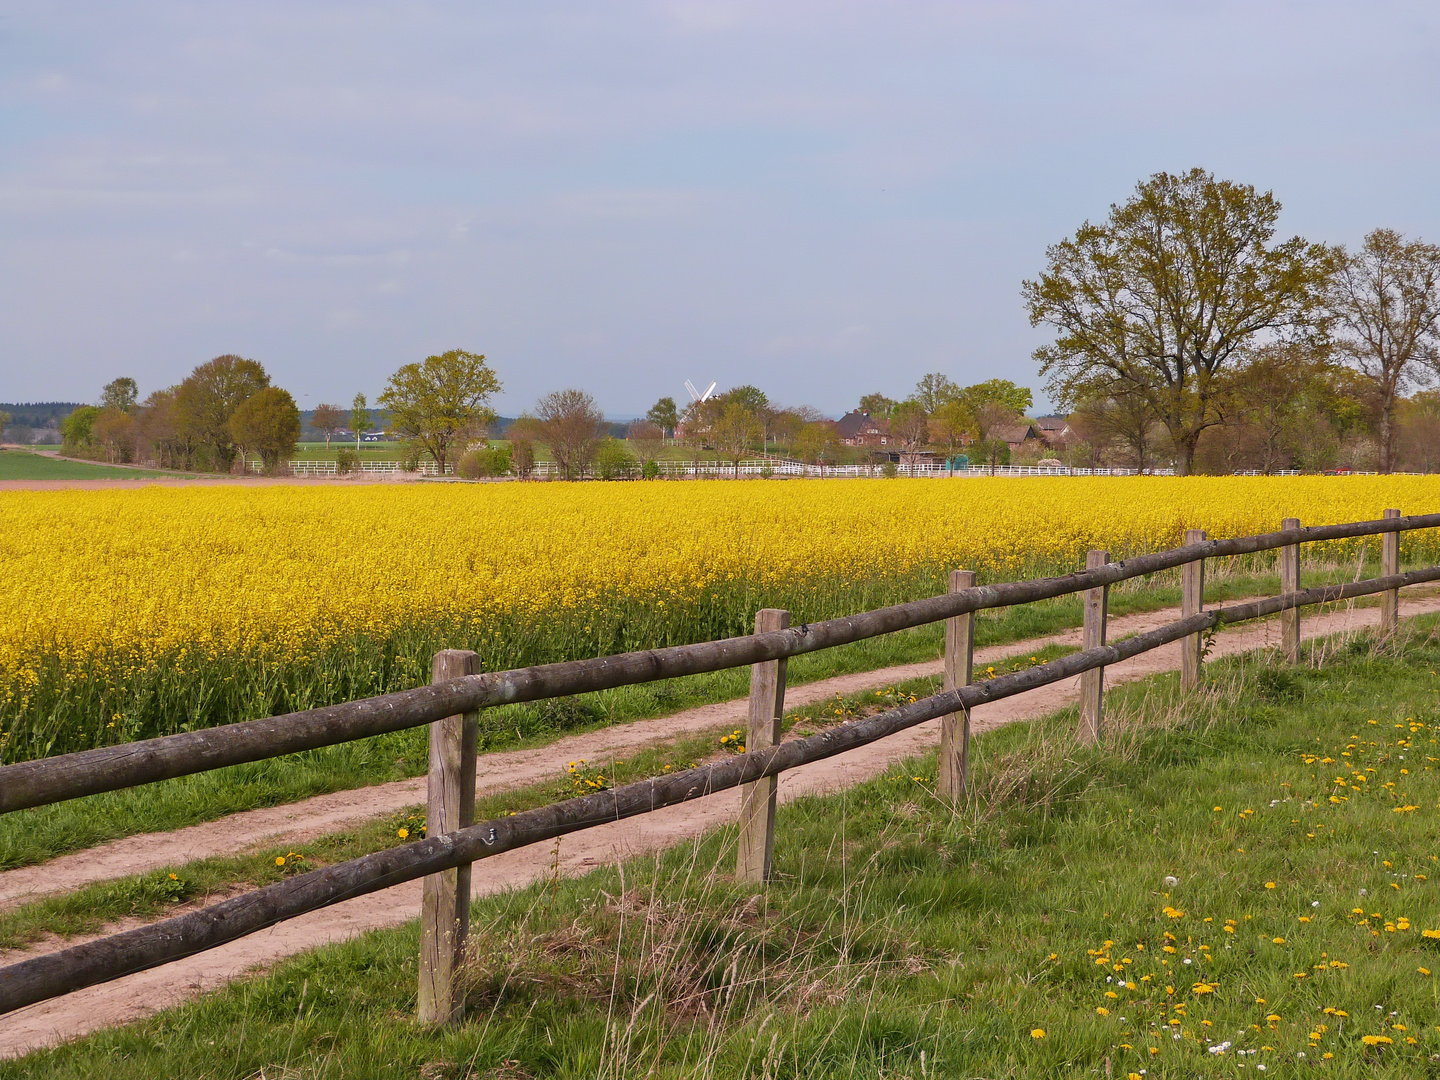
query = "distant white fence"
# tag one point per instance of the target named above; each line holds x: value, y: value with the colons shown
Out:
x: 779, y: 467
x: 329, y: 468
x: 721, y: 470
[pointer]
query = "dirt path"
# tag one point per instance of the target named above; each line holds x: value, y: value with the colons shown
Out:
x: 295, y: 823
x: 139, y: 995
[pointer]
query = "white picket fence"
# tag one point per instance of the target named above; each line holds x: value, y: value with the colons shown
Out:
x: 329, y: 468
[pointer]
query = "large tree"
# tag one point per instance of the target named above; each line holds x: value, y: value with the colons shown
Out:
x: 933, y: 390
x: 441, y: 400
x: 1160, y: 298
x: 664, y: 415
x: 1010, y: 396
x: 120, y: 394
x: 571, y: 425
x: 267, y: 424
x: 877, y: 406
x: 1386, y: 299
x: 209, y: 396
x: 736, y: 429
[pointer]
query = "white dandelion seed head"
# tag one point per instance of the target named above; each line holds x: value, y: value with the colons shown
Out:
x: 1171, y: 881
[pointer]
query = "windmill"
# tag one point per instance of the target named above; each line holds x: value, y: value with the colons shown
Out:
x: 695, y: 395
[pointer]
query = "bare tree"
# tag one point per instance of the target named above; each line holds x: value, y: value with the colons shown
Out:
x: 1386, y: 298
x: 571, y: 425
x: 910, y: 427
x: 328, y: 419
x: 1126, y: 422
x: 646, y: 438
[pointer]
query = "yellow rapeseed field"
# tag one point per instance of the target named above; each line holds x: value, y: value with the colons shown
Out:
x: 107, y: 588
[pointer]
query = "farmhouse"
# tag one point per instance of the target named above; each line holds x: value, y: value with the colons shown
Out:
x: 858, y: 428
x: 1016, y: 435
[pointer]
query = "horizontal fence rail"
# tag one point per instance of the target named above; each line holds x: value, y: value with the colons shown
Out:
x: 89, y: 772
x: 79, y: 966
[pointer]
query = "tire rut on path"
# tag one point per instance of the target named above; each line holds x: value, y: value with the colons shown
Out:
x: 146, y: 992
x: 298, y: 822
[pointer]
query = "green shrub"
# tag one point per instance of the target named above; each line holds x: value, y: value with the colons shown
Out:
x: 346, y: 461
x: 613, y: 461
x: 651, y: 471
x: 889, y: 470
x: 489, y: 461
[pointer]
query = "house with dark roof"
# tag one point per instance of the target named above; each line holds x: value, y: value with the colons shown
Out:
x: 1016, y: 435
x: 858, y: 428
x: 1055, y: 430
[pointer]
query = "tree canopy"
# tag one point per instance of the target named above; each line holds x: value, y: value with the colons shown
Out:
x: 267, y: 424
x: 209, y: 396
x: 441, y: 400
x: 1160, y: 298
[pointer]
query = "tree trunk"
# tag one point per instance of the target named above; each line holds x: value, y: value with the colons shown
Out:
x: 1387, y: 434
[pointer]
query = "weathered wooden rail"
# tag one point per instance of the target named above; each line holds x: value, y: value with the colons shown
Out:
x: 451, y: 702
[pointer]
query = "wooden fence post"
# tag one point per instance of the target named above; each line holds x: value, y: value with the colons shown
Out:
x: 1390, y: 564
x: 1289, y: 583
x: 756, y: 850
x: 445, y: 901
x: 1192, y: 602
x: 954, y: 771
x: 1092, y: 682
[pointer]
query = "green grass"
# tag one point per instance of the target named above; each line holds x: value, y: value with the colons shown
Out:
x: 24, y: 465
x: 32, y: 836
x: 903, y: 939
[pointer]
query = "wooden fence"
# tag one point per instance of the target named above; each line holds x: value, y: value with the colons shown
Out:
x: 451, y: 702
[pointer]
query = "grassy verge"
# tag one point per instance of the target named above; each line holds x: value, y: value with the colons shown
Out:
x: 1215, y: 887
x: 32, y: 836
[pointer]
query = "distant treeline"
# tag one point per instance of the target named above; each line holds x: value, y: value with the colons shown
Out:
x: 37, y: 414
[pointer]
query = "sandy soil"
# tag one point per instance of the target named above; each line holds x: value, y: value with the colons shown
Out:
x: 143, y: 993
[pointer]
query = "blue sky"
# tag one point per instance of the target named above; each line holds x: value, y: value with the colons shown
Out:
x: 823, y: 200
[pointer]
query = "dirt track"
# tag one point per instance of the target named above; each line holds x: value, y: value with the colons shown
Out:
x: 145, y: 992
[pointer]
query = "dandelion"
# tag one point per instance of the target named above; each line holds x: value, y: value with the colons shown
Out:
x: 1037, y: 1033
x: 279, y: 860
x: 1102, y: 1010
x: 1376, y: 1040
x: 1269, y: 884
x: 403, y: 833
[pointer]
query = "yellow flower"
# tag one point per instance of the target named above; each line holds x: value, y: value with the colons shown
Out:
x: 1037, y: 1033
x: 1277, y: 941
x: 279, y: 860
x: 1423, y: 970
x: 1269, y: 884
x: 174, y: 877
x: 1102, y: 1010
x: 1203, y: 988
x: 1430, y: 933
x: 1376, y: 1040
x: 403, y: 833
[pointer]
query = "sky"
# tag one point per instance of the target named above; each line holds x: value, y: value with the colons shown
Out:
x: 823, y: 200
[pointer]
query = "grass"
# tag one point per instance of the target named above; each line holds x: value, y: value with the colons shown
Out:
x: 1036, y: 931
x: 24, y: 465
x: 32, y: 836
